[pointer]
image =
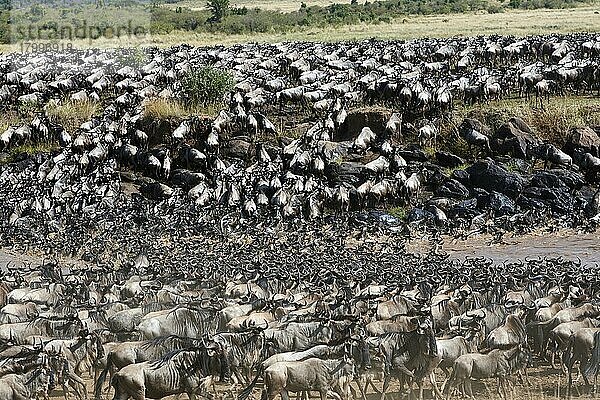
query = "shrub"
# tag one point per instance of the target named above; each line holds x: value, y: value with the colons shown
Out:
x: 206, y: 86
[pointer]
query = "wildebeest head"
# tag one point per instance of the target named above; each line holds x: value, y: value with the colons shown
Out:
x: 426, y: 337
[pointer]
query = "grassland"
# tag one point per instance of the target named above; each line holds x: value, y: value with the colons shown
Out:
x: 512, y: 22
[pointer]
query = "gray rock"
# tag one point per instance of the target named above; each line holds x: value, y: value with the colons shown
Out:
x: 585, y: 139
x: 500, y: 203
x: 156, y: 191
x: 491, y: 177
x: 453, y: 189
x: 239, y: 148
x: 448, y: 160
x: 512, y: 138
x: 559, y: 200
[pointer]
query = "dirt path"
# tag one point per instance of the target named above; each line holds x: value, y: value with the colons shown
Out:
x: 546, y: 384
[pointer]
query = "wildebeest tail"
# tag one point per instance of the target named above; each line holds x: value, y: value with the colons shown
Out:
x: 593, y: 366
x: 246, y: 392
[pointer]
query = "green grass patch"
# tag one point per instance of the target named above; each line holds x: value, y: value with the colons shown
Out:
x: 206, y: 86
x: 29, y: 150
x: 159, y: 109
x: 9, y: 118
x: 449, y: 171
x: 398, y: 212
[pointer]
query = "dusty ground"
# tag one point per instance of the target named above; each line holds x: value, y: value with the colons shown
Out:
x: 546, y: 384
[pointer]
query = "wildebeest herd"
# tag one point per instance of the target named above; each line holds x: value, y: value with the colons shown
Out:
x: 222, y: 253
x: 150, y: 329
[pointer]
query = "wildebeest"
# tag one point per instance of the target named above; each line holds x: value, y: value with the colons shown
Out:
x: 497, y: 363
x: 313, y: 374
x: 187, y: 371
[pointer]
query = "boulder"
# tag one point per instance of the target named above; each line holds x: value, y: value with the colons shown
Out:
x: 530, y: 203
x: 239, y: 148
x: 334, y: 150
x: 418, y: 214
x: 547, y: 180
x: 593, y: 206
x: 452, y: 189
x: 156, y: 191
x: 512, y: 138
x: 186, y: 179
x: 413, y: 154
x: 461, y: 175
x: 560, y: 200
x: 346, y: 171
x: 466, y: 209
x: 491, y: 177
x: 571, y: 179
x: 373, y: 117
x: 500, y: 203
x: 448, y: 160
x: 470, y: 124
x: 585, y: 139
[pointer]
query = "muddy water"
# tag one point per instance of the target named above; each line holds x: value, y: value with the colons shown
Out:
x: 567, y: 244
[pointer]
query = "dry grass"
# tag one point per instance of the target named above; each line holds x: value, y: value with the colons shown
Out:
x: 72, y: 114
x: 9, y: 118
x: 553, y: 122
x: 30, y: 150
x: 158, y: 108
x: 512, y: 22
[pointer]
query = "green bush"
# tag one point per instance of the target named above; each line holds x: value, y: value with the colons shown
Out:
x: 206, y: 85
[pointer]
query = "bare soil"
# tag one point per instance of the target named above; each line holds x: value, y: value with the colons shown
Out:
x: 546, y: 384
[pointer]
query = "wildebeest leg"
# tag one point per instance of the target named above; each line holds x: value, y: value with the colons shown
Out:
x: 467, y: 388
x: 362, y: 389
x: 386, y: 384
x: 523, y: 376
x: 332, y: 393
x: 446, y: 378
x: 503, y: 386
x: 238, y: 376
x: 370, y: 382
x: 437, y: 392
x: 65, y: 390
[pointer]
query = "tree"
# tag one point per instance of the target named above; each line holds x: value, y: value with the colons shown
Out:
x: 218, y: 8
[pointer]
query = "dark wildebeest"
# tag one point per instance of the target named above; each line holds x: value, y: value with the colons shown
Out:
x: 407, y: 355
x: 189, y: 371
